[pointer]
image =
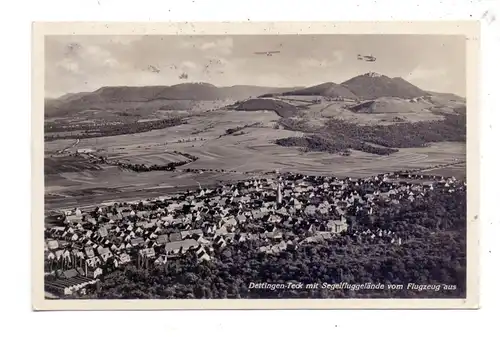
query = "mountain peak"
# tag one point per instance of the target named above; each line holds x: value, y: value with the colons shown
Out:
x: 372, y: 74
x: 373, y: 85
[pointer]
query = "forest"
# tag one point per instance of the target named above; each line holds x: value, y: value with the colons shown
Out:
x: 433, y: 251
x: 320, y: 143
x: 339, y: 135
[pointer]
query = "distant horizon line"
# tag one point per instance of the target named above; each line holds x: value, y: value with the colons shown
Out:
x: 241, y: 85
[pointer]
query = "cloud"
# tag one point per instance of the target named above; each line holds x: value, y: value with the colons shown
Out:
x: 222, y: 46
x: 207, y: 45
x: 338, y: 56
x: 423, y: 73
x: 433, y: 78
x: 189, y: 65
x: 313, y: 63
x: 69, y: 65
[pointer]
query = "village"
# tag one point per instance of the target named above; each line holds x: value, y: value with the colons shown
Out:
x: 279, y: 213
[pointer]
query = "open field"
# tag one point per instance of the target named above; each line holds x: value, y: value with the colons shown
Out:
x: 59, y: 165
x: 252, y: 151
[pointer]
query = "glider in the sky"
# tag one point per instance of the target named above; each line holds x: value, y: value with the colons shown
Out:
x: 367, y: 58
x: 153, y: 69
x: 267, y: 53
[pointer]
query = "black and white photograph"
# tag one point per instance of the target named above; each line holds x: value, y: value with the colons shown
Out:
x: 257, y: 166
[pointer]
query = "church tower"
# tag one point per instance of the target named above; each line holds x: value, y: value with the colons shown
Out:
x: 279, y: 195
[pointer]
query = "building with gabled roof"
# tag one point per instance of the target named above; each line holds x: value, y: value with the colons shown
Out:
x: 177, y: 247
x: 147, y: 253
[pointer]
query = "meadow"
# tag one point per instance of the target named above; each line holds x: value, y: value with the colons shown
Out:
x: 251, y: 151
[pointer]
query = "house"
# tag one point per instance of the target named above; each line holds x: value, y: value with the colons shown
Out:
x: 124, y: 258
x: 265, y: 249
x: 241, y: 218
x: 192, y: 232
x: 202, y: 255
x: 221, y: 231
x: 89, y: 251
x: 337, y: 226
x: 137, y: 242
x: 161, y: 260
x: 257, y: 214
x: 93, y: 261
x: 275, y: 235
x: 147, y: 253
x: 94, y: 272
x: 310, y: 210
x: 178, y: 247
x: 231, y: 221
x: 162, y: 239
x: 102, y: 232
x: 105, y: 253
x: 175, y: 237
x: 53, y: 244
x: 219, y: 242
x: 149, y: 224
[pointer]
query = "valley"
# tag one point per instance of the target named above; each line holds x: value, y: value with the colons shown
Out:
x: 238, y: 139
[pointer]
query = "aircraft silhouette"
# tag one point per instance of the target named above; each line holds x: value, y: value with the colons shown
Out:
x: 367, y: 58
x: 153, y: 69
x: 267, y: 53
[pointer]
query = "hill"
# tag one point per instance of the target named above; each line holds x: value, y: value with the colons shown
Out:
x: 391, y: 105
x: 328, y: 89
x: 446, y: 96
x: 248, y: 91
x: 373, y: 85
x: 283, y: 109
x: 120, y: 97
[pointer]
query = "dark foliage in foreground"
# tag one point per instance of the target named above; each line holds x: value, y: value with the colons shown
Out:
x: 338, y: 135
x: 89, y: 131
x: 433, y: 252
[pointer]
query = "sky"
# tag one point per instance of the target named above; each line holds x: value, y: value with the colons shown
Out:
x: 80, y: 63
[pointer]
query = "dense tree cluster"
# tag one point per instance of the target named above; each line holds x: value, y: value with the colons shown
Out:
x: 320, y: 143
x: 402, y: 135
x: 433, y: 252
x: 90, y: 131
x: 231, y: 131
x: 339, y: 135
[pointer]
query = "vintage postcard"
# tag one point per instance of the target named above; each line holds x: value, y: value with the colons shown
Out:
x: 255, y: 165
